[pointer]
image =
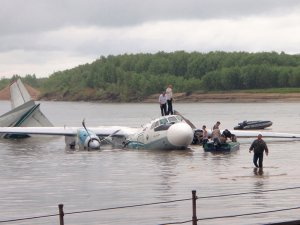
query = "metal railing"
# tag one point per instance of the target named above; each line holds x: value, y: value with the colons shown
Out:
x: 61, y: 214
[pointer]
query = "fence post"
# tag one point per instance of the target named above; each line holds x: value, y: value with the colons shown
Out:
x: 194, y: 207
x: 61, y: 214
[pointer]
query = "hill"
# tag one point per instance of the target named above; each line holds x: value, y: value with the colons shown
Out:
x: 132, y: 78
x: 5, y: 93
x: 135, y: 77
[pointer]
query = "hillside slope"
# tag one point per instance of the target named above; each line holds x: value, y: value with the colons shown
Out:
x: 5, y: 93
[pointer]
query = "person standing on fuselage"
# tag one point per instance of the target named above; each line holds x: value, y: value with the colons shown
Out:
x: 169, y: 94
x: 163, y: 103
x: 259, y: 146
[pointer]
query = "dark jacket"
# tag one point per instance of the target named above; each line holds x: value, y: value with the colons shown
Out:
x: 259, y: 146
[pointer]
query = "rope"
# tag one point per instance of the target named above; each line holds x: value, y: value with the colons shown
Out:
x: 244, y: 193
x: 187, y: 221
x: 128, y: 206
x: 28, y: 218
x: 248, y: 214
x: 236, y: 215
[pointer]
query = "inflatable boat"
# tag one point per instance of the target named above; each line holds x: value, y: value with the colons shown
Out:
x: 252, y: 125
x: 223, y: 147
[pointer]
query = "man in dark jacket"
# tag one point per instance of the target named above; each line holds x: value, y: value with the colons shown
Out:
x: 259, y: 146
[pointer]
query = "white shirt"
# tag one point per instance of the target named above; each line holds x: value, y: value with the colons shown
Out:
x: 162, y: 99
x: 169, y: 93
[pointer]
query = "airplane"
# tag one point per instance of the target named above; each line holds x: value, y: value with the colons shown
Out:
x: 25, y: 112
x: 164, y: 133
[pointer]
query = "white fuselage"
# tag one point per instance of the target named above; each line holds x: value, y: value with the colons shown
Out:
x: 168, y: 132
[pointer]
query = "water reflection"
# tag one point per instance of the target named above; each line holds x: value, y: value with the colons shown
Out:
x: 258, y: 171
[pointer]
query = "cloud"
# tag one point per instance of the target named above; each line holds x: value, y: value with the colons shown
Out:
x: 39, y: 63
x: 21, y: 16
x: 43, y: 36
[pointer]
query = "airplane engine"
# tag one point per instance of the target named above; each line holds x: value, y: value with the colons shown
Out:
x: 88, y: 140
x: 92, y: 143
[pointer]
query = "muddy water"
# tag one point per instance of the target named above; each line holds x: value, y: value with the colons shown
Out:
x: 38, y: 173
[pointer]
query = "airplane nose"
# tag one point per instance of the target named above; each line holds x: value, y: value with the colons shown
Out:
x: 180, y: 134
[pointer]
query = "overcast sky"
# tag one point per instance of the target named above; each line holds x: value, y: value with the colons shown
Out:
x: 43, y: 36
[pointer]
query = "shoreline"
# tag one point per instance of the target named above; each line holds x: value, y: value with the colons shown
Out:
x: 185, y: 97
x: 228, y: 97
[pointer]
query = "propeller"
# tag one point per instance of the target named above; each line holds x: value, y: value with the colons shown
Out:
x: 109, y: 136
x: 185, y: 119
x: 83, y: 124
x: 93, y: 143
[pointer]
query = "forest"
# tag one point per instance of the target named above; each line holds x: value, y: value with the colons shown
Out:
x: 133, y: 77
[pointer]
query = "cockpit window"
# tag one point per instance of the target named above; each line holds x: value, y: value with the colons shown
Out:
x: 172, y: 119
x: 168, y: 120
x: 179, y: 118
x: 155, y: 124
x: 163, y: 121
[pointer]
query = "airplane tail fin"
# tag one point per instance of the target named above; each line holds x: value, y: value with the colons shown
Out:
x: 18, y: 94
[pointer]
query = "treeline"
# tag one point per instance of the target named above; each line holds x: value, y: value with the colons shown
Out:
x: 29, y: 79
x: 136, y: 76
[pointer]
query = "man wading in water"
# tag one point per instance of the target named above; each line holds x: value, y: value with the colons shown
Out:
x: 259, y: 146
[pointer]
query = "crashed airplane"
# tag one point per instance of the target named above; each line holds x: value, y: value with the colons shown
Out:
x: 24, y: 113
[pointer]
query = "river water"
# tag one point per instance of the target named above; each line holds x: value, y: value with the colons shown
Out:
x: 38, y: 173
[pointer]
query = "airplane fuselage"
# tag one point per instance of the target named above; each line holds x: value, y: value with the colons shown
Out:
x: 168, y: 133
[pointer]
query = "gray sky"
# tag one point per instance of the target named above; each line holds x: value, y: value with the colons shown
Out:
x: 44, y: 36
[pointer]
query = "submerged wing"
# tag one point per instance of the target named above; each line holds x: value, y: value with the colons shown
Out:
x: 18, y: 94
x: 264, y: 134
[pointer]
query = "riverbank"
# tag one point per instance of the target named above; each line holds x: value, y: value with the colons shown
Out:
x: 231, y: 97
x: 5, y: 93
x: 178, y: 97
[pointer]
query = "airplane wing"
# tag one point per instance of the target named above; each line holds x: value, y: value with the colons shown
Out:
x: 40, y: 130
x: 264, y: 134
x: 69, y: 131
